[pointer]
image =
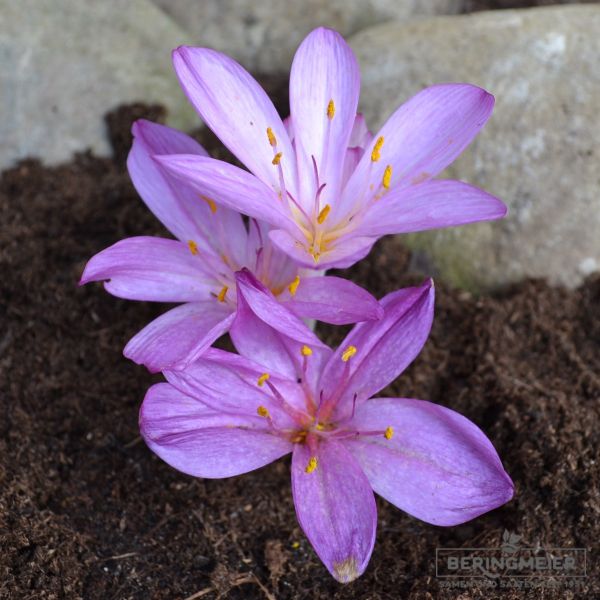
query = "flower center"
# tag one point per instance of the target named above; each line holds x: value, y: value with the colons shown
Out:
x: 314, y: 422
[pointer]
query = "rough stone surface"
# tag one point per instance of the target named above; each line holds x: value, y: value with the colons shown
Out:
x: 63, y: 63
x: 263, y: 34
x: 539, y: 152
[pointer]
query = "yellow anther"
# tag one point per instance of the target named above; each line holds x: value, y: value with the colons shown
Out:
x: 193, y: 246
x: 389, y: 433
x: 277, y: 158
x: 211, y: 204
x: 271, y: 136
x: 330, y: 109
x: 263, y: 412
x: 376, y: 154
x: 323, y: 214
x: 349, y: 352
x: 320, y: 427
x: 312, y: 464
x: 387, y: 177
x: 296, y: 545
x: 262, y: 379
x: 294, y: 285
x: 222, y: 294
x: 305, y: 351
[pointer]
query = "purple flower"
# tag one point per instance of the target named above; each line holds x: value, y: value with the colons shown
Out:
x: 228, y: 414
x: 198, y: 268
x: 327, y: 186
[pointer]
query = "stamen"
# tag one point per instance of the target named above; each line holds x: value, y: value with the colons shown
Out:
x: 389, y: 433
x: 320, y: 427
x: 222, y: 294
x: 294, y: 285
x: 323, y: 214
x: 330, y: 109
x: 312, y: 464
x: 353, y: 405
x: 348, y: 353
x: 277, y: 158
x: 193, y: 247
x: 376, y: 153
x: 211, y: 203
x: 261, y: 380
x: 263, y: 412
x: 305, y: 351
x: 271, y: 136
x: 387, y: 177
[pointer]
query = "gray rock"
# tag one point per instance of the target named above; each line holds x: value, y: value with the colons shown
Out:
x: 539, y: 152
x: 64, y: 63
x: 263, y: 34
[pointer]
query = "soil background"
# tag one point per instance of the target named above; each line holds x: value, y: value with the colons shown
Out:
x: 87, y: 511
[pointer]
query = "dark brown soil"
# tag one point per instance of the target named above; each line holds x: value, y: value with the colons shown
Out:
x: 87, y: 511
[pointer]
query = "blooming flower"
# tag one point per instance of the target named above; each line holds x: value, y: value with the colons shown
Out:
x: 198, y: 268
x: 228, y: 414
x: 327, y: 186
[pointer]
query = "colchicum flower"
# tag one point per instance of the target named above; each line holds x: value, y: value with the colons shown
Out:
x: 228, y: 414
x: 328, y: 187
x: 198, y: 268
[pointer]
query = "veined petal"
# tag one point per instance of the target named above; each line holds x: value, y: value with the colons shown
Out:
x: 384, y: 348
x: 343, y: 253
x: 181, y: 209
x: 238, y: 110
x: 333, y: 300
x: 266, y: 307
x: 149, y: 268
x: 230, y: 186
x: 437, y: 465
x: 202, y: 442
x: 335, y: 507
x: 271, y: 335
x: 421, y: 138
x: 229, y: 382
x: 182, y: 332
x: 324, y: 89
x: 175, y: 205
x: 431, y: 205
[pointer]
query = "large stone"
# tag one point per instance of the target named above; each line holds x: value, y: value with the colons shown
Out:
x: 539, y: 152
x: 263, y: 34
x: 64, y: 63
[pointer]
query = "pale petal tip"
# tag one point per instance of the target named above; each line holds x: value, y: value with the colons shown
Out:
x: 346, y: 570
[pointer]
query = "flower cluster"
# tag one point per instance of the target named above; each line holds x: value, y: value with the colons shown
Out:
x: 320, y: 189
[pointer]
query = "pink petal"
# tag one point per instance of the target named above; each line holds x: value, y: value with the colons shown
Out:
x: 384, y: 348
x: 422, y: 137
x: 238, y: 110
x: 360, y: 136
x: 324, y: 71
x: 177, y: 335
x: 149, y: 268
x: 275, y: 314
x: 201, y: 442
x: 438, y: 466
x: 333, y: 300
x: 344, y: 253
x: 271, y: 335
x: 335, y: 507
x: 431, y: 205
x: 181, y: 208
x: 230, y: 186
x: 228, y: 382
